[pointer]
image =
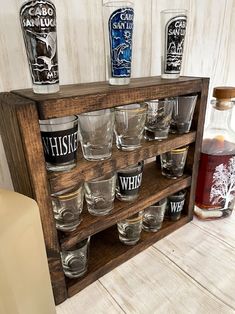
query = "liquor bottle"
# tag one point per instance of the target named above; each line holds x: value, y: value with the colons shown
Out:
x: 38, y: 22
x: 215, y: 194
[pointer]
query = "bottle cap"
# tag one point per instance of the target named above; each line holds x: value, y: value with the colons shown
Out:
x: 224, y: 92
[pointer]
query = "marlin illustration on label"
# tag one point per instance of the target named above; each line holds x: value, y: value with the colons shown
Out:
x: 38, y: 22
x: 120, y: 36
x: 174, y: 44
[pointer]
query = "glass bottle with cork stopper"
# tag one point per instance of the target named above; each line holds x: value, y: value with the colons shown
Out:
x: 215, y: 193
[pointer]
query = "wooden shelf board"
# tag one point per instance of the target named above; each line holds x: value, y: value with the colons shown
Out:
x: 107, y: 252
x: 78, y: 98
x: 154, y: 188
x: 120, y: 159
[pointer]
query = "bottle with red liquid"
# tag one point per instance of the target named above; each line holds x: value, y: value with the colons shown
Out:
x: 215, y: 194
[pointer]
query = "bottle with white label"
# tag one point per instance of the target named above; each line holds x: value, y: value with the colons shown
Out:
x: 215, y: 194
x: 173, y: 31
x: 38, y: 23
x: 118, y: 28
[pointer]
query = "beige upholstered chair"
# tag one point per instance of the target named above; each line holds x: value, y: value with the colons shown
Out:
x: 24, y: 277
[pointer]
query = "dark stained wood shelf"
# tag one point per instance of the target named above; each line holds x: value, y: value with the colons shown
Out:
x: 75, y: 99
x: 20, y: 112
x: 87, y: 170
x: 154, y: 188
x: 107, y: 252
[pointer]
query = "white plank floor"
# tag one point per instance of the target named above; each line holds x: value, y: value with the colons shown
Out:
x: 190, y: 271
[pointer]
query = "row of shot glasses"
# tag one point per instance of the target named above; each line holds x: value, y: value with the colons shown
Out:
x: 75, y: 261
x: 152, y: 120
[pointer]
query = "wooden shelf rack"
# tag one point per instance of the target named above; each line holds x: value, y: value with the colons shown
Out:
x: 20, y: 112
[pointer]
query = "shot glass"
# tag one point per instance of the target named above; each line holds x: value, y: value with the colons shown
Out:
x: 100, y: 194
x: 129, y: 126
x: 75, y: 260
x: 60, y: 142
x: 158, y: 119
x: 96, y: 134
x: 38, y: 23
x: 154, y: 215
x: 67, y: 207
x: 129, y: 230
x: 118, y: 17
x: 129, y: 181
x: 183, y: 109
x: 176, y: 204
x: 173, y: 31
x: 173, y: 162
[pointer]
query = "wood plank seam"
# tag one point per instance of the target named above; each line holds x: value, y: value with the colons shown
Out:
x: 194, y: 279
x: 213, y: 235
x: 112, y: 297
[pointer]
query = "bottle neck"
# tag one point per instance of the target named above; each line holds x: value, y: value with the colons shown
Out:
x: 220, y: 120
x: 219, y: 138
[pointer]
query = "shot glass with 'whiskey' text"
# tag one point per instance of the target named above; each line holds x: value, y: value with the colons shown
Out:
x: 60, y: 142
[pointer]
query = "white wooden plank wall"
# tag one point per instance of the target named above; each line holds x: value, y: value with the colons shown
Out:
x: 208, y: 52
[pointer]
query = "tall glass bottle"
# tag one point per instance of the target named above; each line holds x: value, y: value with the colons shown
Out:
x: 38, y: 22
x: 215, y: 194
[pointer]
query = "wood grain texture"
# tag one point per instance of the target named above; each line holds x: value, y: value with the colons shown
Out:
x: 198, y: 122
x: 75, y: 99
x: 93, y: 299
x: 107, y: 252
x: 86, y: 170
x: 150, y: 283
x: 12, y: 141
x: 154, y: 188
x: 21, y: 133
x: 210, y: 261
x: 28, y: 120
x: 223, y: 230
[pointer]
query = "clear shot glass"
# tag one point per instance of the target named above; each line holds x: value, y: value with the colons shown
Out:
x: 158, y: 119
x: 67, y: 208
x: 118, y: 18
x: 60, y: 142
x: 154, y: 215
x: 96, y: 134
x: 75, y: 260
x: 129, y: 181
x: 100, y: 194
x: 129, y: 230
x: 182, y: 116
x: 173, y: 162
x: 129, y: 126
x: 173, y: 32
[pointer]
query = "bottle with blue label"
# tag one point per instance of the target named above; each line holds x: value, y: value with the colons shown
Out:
x: 38, y: 23
x: 118, y: 26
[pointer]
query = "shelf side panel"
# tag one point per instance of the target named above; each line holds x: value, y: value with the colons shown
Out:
x: 12, y: 142
x: 198, y: 123
x: 27, y: 119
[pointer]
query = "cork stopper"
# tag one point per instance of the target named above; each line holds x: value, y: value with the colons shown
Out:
x: 223, y: 95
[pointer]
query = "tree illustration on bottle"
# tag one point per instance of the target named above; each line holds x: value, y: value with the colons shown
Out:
x: 223, y: 187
